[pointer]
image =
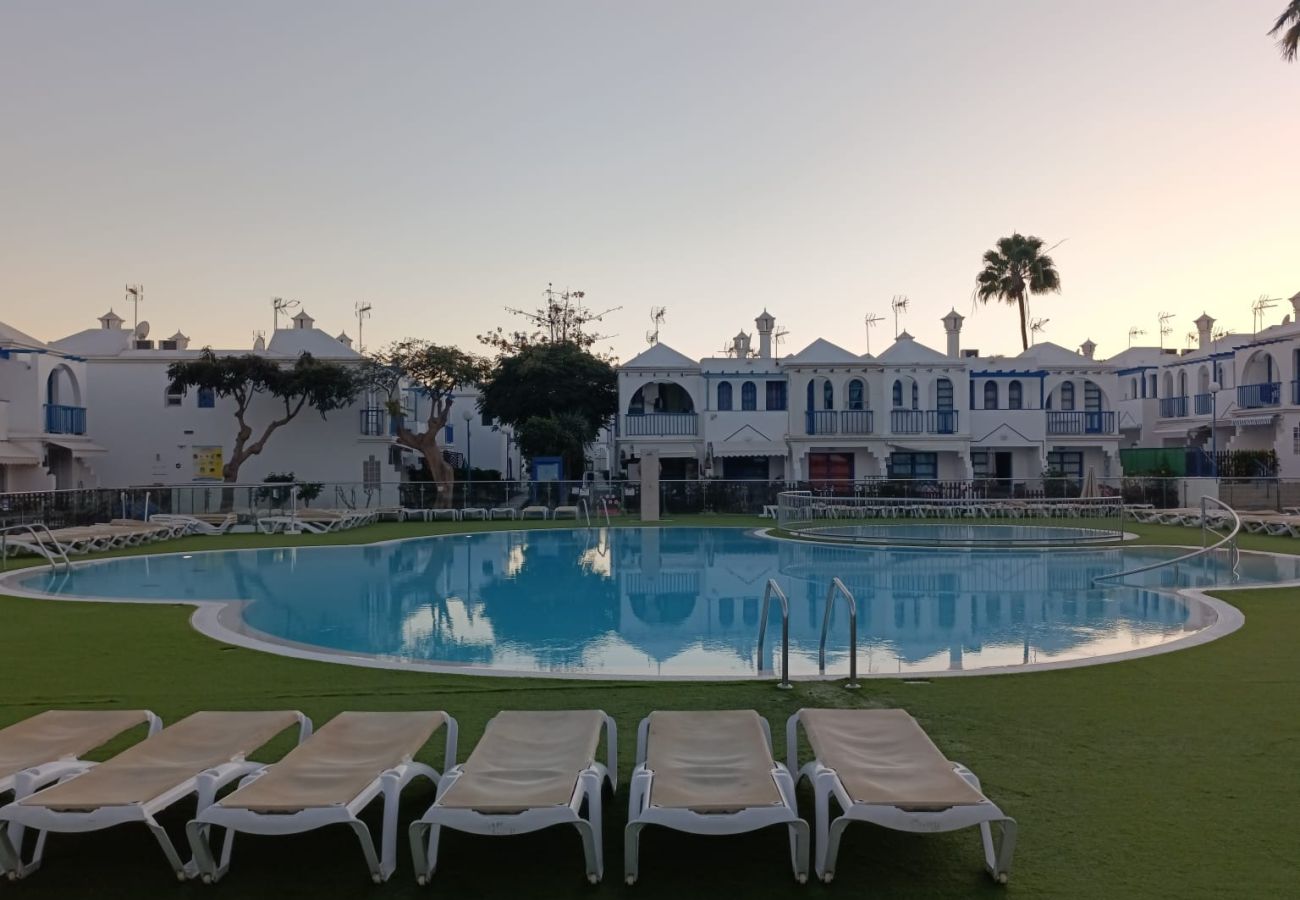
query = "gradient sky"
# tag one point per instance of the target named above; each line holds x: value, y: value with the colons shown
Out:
x: 445, y: 160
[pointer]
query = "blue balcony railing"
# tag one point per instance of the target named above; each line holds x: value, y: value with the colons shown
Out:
x: 855, y: 421
x: 1295, y: 392
x: 65, y: 419
x: 1088, y: 422
x: 820, y: 421
x: 1173, y: 407
x: 1253, y: 396
x: 923, y: 421
x: 660, y: 425
x: 1204, y: 404
x: 373, y: 422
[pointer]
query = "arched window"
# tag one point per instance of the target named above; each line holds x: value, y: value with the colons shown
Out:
x: 990, y: 394
x: 1015, y: 395
x: 811, y: 405
x: 916, y: 396
x: 943, y: 394
x: 748, y: 396
x: 724, y: 395
x: 1092, y: 396
x: 898, y: 394
x: 1182, y: 383
x: 1067, y: 396
x: 856, y: 395
x: 828, y: 395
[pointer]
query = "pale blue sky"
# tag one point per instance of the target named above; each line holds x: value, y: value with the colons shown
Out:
x: 445, y: 160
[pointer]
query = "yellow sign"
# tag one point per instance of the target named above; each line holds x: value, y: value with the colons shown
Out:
x: 207, y: 463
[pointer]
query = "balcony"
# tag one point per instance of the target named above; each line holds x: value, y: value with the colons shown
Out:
x: 1093, y: 422
x: 1254, y: 396
x: 660, y: 425
x: 1173, y: 408
x: 1295, y: 392
x: 820, y: 421
x: 65, y: 419
x: 923, y: 421
x: 1204, y: 404
x: 855, y: 421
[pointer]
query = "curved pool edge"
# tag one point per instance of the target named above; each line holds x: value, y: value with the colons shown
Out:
x: 211, y: 619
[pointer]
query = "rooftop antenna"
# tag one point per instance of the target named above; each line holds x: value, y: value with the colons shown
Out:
x: 869, y: 320
x: 1134, y: 332
x: 280, y: 305
x: 1165, y: 327
x: 897, y: 304
x: 657, y: 316
x: 1037, y: 327
x: 363, y: 312
x: 135, y: 294
x: 1219, y: 333
x: 1192, y: 338
x: 1257, y: 311
x: 777, y: 337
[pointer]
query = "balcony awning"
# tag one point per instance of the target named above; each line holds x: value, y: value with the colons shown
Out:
x: 1243, y: 421
x: 750, y: 448
x: 78, y: 448
x: 13, y: 453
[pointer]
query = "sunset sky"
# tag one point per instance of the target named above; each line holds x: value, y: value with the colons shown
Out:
x: 443, y: 161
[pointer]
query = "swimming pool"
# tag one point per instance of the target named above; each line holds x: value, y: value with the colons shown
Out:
x: 673, y: 601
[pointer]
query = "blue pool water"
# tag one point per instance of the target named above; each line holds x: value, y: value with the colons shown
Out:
x: 678, y: 601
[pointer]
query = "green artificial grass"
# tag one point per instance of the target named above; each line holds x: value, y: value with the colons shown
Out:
x: 1166, y: 776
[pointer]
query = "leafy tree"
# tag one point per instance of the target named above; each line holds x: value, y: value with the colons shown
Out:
x: 1287, y: 31
x: 1016, y: 269
x: 436, y: 371
x: 309, y: 382
x: 561, y: 320
x: 560, y: 435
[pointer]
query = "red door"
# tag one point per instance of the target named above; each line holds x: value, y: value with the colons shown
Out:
x: 831, y: 472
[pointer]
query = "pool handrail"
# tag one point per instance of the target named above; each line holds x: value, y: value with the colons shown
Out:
x: 32, y: 529
x: 837, y: 588
x: 774, y: 588
x: 1230, y: 539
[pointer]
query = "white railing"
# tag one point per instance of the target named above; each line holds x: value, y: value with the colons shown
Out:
x: 40, y: 534
x: 1229, y: 540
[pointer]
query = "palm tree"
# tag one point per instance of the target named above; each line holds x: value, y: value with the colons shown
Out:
x: 1017, y: 267
x: 1288, y: 27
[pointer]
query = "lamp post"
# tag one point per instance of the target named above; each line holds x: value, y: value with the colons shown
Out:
x: 1214, y: 429
x: 468, y: 417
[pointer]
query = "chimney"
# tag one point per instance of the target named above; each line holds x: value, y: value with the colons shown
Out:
x: 110, y: 321
x: 303, y: 321
x: 952, y: 325
x: 1088, y: 348
x: 766, y: 323
x: 182, y: 342
x: 344, y: 340
x: 1205, y: 328
x: 1295, y: 305
x: 740, y: 345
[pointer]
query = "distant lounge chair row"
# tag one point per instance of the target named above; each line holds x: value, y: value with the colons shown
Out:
x: 317, y: 521
x: 488, y: 514
x: 82, y: 539
x: 699, y: 772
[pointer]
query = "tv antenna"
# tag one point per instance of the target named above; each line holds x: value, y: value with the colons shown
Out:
x: 777, y: 337
x: 1192, y: 337
x: 134, y: 296
x: 363, y: 312
x: 1165, y: 327
x: 1257, y: 310
x: 280, y: 305
x: 657, y: 316
x: 870, y: 319
x: 898, y: 304
x: 1037, y: 327
x: 1134, y: 332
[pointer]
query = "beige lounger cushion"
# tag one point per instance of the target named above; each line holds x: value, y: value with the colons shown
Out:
x: 338, y: 762
x: 165, y: 760
x: 61, y: 734
x: 882, y: 756
x: 710, y: 761
x: 526, y: 760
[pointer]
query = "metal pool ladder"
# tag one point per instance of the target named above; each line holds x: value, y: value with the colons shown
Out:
x: 837, y: 589
x: 39, y: 532
x: 775, y: 589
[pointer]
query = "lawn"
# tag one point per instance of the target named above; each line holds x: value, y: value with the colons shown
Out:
x: 1170, y: 775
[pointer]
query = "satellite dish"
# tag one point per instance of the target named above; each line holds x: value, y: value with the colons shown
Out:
x: 142, y: 330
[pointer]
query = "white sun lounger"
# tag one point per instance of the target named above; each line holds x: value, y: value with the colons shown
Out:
x: 199, y: 524
x: 473, y: 512
x: 48, y: 746
x: 502, y: 512
x: 530, y: 770
x: 534, y: 512
x: 198, y: 755
x: 329, y: 779
x: 710, y: 773
x: 881, y: 767
x: 570, y: 511
x: 436, y: 514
